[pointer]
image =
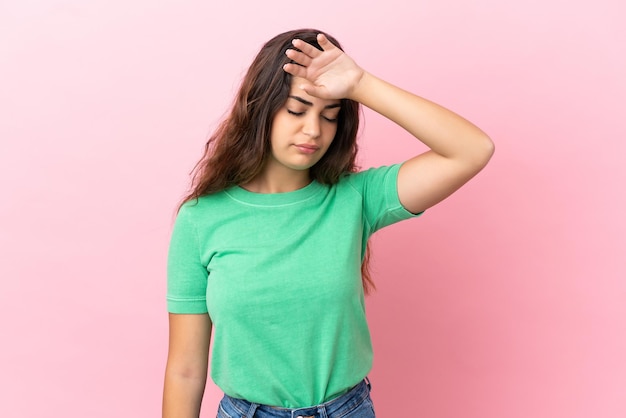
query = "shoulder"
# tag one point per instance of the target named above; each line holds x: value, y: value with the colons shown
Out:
x: 203, y: 203
x: 373, y: 177
x: 199, y: 210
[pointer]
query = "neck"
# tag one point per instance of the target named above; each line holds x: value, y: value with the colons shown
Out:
x: 278, y: 181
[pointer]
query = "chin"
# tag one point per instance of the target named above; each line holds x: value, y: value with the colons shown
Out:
x: 302, y: 166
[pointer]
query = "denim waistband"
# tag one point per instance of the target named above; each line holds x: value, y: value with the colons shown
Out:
x: 334, y: 407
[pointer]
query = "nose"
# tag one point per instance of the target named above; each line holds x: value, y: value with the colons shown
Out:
x: 312, y: 126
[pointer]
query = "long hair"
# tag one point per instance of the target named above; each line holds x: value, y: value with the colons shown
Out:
x: 237, y: 151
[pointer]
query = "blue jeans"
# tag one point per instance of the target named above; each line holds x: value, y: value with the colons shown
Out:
x: 354, y: 404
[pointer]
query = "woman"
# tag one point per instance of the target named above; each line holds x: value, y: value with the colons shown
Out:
x: 269, y: 249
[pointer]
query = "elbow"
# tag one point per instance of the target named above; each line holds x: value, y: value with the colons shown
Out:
x: 484, y: 151
x: 187, y: 370
x: 186, y: 374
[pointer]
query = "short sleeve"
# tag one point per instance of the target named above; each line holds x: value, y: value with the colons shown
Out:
x: 381, y: 204
x: 186, y: 275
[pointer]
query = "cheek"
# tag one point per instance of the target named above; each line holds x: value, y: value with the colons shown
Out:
x: 278, y: 131
x: 329, y: 128
x: 332, y: 131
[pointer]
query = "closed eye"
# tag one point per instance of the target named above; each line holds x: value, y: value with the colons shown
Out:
x: 326, y: 118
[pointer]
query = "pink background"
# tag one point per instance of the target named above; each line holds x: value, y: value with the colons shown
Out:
x: 506, y: 300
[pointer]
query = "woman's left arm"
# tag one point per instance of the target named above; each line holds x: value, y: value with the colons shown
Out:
x: 458, y: 149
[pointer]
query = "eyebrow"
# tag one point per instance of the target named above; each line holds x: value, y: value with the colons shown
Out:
x: 306, y: 102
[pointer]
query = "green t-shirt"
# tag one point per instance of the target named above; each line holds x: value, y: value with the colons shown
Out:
x: 280, y: 276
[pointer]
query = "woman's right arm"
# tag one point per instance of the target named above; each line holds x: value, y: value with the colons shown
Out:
x: 187, y: 363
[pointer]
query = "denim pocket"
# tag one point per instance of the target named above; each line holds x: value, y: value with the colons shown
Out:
x: 363, y: 410
x: 221, y: 412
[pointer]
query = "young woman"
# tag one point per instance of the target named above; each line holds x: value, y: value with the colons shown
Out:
x: 268, y: 251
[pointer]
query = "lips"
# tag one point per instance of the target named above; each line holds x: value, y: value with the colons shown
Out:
x: 306, y: 148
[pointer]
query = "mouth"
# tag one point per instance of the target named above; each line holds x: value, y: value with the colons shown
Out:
x: 306, y: 148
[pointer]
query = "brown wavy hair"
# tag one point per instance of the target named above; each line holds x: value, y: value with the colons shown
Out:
x: 238, y: 149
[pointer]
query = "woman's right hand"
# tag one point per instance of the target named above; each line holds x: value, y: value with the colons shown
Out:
x: 333, y: 74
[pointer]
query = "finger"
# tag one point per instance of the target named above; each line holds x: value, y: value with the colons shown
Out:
x: 306, y: 48
x: 314, y: 91
x: 299, y: 57
x: 324, y: 42
x: 295, y: 70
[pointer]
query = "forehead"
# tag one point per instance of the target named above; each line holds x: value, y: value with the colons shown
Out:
x: 295, y: 90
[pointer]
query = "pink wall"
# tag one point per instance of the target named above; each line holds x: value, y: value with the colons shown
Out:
x: 507, y: 300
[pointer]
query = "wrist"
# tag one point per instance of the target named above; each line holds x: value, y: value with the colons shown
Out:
x: 360, y: 88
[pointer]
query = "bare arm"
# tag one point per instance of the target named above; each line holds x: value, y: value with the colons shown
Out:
x: 458, y: 149
x: 187, y: 363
